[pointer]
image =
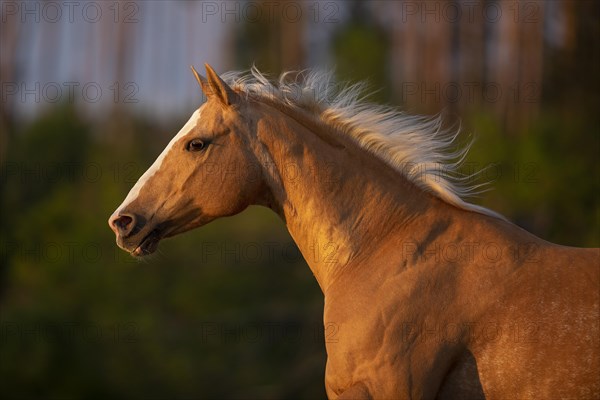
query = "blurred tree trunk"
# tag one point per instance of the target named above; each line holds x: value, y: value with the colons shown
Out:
x: 437, y: 64
x: 528, y: 91
x: 504, y: 69
x: 405, y: 57
x: 9, y: 39
x: 471, y: 58
x: 292, y: 38
x: 421, y: 55
x: 121, y: 123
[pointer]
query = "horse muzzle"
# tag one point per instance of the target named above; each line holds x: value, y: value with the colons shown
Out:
x: 131, y: 235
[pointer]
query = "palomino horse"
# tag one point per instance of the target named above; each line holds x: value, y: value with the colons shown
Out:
x: 430, y: 296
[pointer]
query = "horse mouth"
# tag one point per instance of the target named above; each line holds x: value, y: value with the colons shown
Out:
x: 148, y: 245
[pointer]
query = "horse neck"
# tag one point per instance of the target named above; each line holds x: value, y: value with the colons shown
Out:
x: 335, y: 198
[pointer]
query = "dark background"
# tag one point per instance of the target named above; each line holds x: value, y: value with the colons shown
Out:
x: 231, y: 310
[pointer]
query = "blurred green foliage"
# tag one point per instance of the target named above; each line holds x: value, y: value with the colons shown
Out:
x: 546, y: 178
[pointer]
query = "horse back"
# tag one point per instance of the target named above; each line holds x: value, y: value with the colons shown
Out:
x: 541, y: 337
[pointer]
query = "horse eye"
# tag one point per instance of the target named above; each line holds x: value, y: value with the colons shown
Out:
x: 196, y: 145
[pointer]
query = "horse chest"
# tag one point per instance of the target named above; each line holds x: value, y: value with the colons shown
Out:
x: 366, y: 342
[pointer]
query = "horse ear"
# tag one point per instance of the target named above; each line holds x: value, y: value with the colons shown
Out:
x: 219, y: 88
x: 201, y: 80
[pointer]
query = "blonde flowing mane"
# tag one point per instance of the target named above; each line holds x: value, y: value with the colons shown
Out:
x: 416, y: 146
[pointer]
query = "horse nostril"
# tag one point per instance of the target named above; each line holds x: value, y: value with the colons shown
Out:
x: 122, y: 224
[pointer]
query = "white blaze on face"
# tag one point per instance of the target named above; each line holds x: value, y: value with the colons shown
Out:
x: 135, y: 190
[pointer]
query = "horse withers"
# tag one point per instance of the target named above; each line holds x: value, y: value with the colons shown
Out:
x: 430, y: 296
